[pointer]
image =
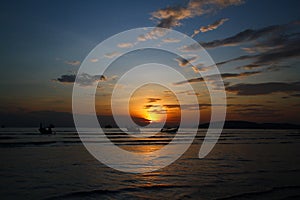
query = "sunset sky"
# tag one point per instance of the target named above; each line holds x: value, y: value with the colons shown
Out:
x: 255, y: 44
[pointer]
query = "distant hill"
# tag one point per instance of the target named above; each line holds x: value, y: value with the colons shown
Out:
x: 253, y: 125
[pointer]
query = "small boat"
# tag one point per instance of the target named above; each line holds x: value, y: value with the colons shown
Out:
x: 133, y: 129
x: 169, y: 130
x: 46, y: 130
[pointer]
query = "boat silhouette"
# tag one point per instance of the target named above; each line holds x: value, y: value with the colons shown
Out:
x: 46, y: 130
x: 169, y: 130
x: 133, y: 129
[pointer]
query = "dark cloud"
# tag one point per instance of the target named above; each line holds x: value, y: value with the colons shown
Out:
x: 271, y: 56
x: 67, y: 78
x: 265, y: 39
x: 274, y: 68
x: 149, y: 106
x: 172, y: 105
x: 273, y: 42
x: 224, y: 76
x: 153, y: 100
x: 231, y: 105
x: 244, y: 36
x: 244, y: 57
x: 204, y: 106
x: 83, y: 79
x: 238, y: 75
x: 290, y: 50
x: 264, y: 88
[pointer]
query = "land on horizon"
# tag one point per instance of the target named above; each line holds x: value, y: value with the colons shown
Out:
x: 229, y: 124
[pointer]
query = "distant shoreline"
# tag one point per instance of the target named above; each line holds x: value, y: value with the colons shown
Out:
x: 227, y: 125
x: 253, y: 125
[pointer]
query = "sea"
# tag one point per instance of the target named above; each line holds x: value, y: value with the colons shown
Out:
x: 244, y: 164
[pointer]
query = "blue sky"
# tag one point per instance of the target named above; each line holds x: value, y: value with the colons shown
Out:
x: 42, y: 40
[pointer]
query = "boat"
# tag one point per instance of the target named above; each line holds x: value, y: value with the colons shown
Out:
x: 46, y: 130
x: 169, y: 130
x: 133, y: 129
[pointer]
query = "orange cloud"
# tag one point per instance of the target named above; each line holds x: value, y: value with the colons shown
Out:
x: 210, y: 27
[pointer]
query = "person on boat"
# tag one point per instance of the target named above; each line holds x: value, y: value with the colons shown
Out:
x: 47, y: 130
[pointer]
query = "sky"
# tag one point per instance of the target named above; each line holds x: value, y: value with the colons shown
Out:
x: 255, y: 44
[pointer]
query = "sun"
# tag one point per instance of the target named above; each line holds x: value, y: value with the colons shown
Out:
x: 153, y: 115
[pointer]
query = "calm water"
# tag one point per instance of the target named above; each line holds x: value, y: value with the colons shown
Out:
x: 245, y: 164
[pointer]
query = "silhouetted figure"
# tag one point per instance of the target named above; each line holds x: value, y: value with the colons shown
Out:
x: 46, y: 130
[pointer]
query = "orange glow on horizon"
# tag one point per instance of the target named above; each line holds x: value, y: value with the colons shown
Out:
x: 150, y: 102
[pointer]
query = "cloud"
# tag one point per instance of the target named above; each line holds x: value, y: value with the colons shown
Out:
x: 182, y: 62
x: 112, y: 54
x: 224, y: 76
x: 205, y: 106
x: 273, y: 42
x: 87, y: 80
x: 264, y: 88
x: 150, y: 106
x: 251, y: 35
x: 155, y: 33
x: 153, y: 100
x: 213, y: 26
x: 143, y: 38
x: 240, y: 58
x: 249, y: 66
x: 170, y: 40
x: 271, y: 68
x: 94, y: 60
x: 275, y: 50
x: 243, y: 74
x: 210, y: 27
x: 125, y: 45
x: 244, y: 36
x: 66, y: 78
x: 73, y: 63
x: 158, y: 111
x: 196, y: 69
x: 171, y: 106
x: 173, y: 15
x: 189, y: 48
x: 287, y: 51
x: 82, y: 79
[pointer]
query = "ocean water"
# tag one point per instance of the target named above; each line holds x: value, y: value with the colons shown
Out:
x: 244, y: 164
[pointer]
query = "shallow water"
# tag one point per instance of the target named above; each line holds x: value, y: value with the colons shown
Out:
x: 245, y: 164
